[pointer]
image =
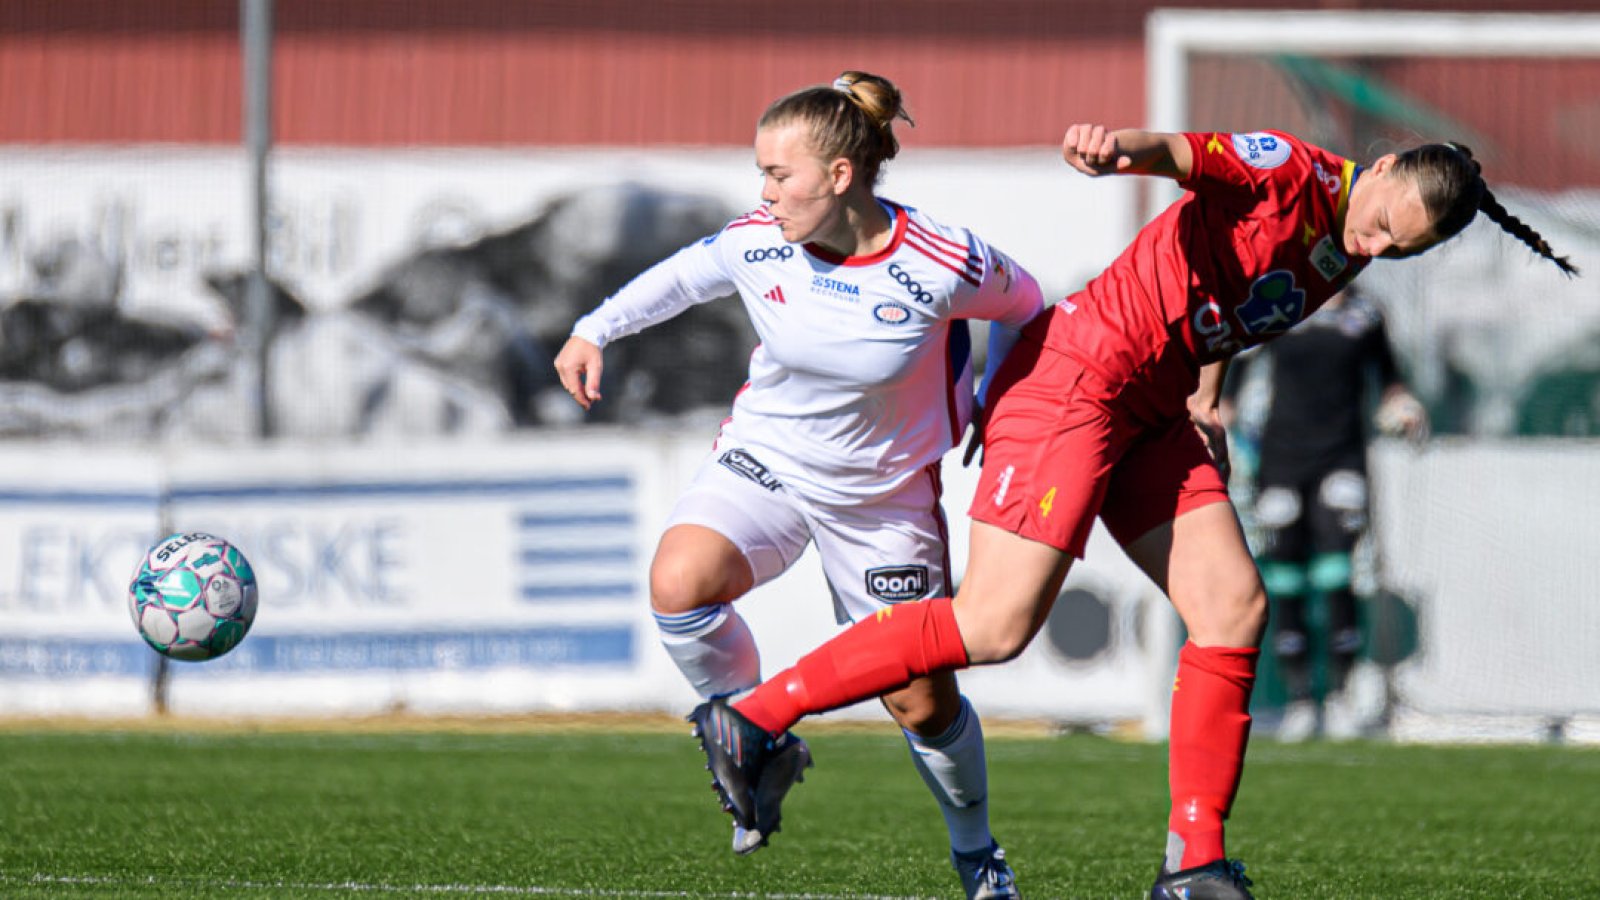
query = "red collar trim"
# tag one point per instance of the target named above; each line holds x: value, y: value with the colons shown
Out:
x: 836, y: 259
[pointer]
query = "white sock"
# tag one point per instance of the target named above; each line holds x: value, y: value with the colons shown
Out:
x: 956, y: 772
x: 713, y: 648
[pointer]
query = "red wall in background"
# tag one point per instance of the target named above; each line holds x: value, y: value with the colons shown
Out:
x: 505, y: 72
x: 622, y: 72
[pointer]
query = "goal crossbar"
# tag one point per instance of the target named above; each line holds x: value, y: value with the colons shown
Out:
x: 1171, y: 35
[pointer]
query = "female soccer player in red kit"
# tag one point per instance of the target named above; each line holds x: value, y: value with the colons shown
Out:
x: 1107, y: 407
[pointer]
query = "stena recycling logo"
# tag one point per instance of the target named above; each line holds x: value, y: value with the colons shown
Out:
x: 1262, y: 150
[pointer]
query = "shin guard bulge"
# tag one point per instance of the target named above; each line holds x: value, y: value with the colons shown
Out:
x: 1210, y: 726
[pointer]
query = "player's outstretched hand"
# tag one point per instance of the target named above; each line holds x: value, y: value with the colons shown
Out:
x: 579, y: 365
x: 1093, y: 150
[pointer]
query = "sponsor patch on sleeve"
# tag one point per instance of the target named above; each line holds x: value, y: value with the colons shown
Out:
x: 1262, y: 150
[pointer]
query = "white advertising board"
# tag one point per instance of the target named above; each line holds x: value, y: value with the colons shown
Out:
x: 1494, y: 544
x: 513, y: 576
x: 159, y: 218
x: 439, y: 578
x: 73, y: 525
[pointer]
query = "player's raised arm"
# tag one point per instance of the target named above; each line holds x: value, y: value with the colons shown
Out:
x: 1097, y: 150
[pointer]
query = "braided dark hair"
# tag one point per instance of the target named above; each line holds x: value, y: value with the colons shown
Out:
x: 1451, y: 184
x: 852, y: 118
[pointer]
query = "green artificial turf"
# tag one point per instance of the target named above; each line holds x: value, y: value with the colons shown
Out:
x: 629, y: 814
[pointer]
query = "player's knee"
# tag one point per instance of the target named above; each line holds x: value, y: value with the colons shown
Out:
x: 678, y: 585
x: 994, y: 642
x: 916, y: 714
x: 927, y: 707
x: 1229, y: 616
x: 1252, y: 612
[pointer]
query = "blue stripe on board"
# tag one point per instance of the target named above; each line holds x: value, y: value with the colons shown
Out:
x: 64, y: 656
x: 618, y: 590
x: 80, y: 498
x: 546, y: 646
x: 579, y: 555
x: 491, y: 486
x: 570, y: 520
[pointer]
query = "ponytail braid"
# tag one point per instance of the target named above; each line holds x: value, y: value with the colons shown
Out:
x: 1520, y: 230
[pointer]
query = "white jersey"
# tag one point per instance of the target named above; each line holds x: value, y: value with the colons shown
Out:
x: 863, y: 375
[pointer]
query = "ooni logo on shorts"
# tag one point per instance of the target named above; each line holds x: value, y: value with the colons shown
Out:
x: 893, y: 584
x: 1262, y: 150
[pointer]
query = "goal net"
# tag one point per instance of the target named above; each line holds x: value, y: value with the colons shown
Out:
x: 1478, y: 577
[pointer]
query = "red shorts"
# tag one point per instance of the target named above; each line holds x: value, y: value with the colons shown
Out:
x: 1060, y: 447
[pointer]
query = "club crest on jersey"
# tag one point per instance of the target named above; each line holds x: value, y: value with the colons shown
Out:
x: 833, y: 287
x: 1327, y: 259
x: 896, y: 584
x: 1262, y: 150
x: 1274, y: 304
x: 891, y: 313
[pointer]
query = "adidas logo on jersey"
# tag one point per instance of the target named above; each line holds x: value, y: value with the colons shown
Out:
x: 775, y: 295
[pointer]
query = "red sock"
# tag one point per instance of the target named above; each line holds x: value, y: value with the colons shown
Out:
x: 875, y: 655
x: 1210, y: 725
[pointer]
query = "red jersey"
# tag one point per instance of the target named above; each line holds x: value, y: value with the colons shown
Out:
x: 1251, y: 250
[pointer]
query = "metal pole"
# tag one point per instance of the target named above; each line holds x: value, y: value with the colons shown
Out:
x: 255, y: 22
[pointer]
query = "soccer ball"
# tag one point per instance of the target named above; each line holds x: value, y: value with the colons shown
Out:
x: 193, y: 597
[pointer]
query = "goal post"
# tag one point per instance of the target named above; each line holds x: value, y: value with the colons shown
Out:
x: 1173, y: 36
x: 1473, y: 534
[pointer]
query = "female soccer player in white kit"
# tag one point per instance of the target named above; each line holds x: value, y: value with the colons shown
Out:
x: 860, y: 385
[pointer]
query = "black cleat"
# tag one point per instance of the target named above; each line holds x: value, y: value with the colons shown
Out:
x: 751, y: 771
x: 784, y: 769
x: 1220, y: 880
x: 985, y: 875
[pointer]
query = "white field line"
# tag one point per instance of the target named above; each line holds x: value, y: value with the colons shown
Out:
x: 514, y: 890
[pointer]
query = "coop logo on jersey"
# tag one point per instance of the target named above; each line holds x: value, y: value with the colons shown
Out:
x: 894, y: 584
x: 891, y: 313
x: 1327, y: 258
x: 762, y: 254
x: 1262, y: 150
x: 746, y: 466
x: 833, y: 287
x: 1274, y: 304
x: 912, y: 286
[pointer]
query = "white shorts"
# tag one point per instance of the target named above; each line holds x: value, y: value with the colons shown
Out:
x: 890, y: 550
